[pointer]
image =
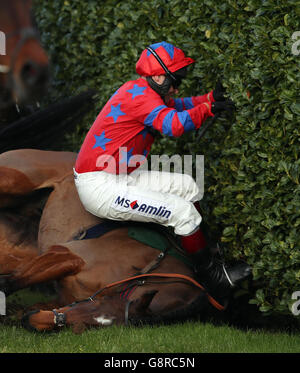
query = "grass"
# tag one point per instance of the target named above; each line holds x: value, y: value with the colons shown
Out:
x: 188, y: 337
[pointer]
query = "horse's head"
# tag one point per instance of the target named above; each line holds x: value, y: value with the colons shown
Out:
x: 23, y: 62
x: 107, y: 311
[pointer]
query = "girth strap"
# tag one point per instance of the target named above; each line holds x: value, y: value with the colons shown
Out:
x: 99, y: 230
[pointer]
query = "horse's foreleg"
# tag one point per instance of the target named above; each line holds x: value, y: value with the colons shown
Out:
x: 54, y: 264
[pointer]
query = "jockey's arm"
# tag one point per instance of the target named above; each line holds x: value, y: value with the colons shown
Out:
x: 173, y: 122
x: 185, y: 103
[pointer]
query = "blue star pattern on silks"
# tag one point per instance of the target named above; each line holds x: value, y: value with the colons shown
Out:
x: 136, y: 91
x: 115, y: 112
x: 126, y: 156
x: 101, y: 141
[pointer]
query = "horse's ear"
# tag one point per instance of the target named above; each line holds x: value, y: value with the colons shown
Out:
x: 144, y: 301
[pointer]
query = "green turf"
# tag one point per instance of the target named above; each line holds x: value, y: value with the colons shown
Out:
x: 188, y: 337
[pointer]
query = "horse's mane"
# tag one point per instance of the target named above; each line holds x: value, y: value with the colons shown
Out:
x: 43, y: 128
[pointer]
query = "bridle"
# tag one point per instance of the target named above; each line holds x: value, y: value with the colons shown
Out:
x: 60, y: 317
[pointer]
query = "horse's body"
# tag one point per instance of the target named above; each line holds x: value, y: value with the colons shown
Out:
x: 38, y: 247
x: 24, y: 63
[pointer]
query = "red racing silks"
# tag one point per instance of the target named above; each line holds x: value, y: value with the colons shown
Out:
x: 186, y: 103
x: 119, y: 139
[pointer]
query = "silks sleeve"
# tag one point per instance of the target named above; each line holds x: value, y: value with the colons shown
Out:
x: 172, y: 122
x: 186, y: 103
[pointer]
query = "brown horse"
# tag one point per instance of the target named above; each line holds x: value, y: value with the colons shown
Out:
x: 40, y: 214
x: 23, y: 62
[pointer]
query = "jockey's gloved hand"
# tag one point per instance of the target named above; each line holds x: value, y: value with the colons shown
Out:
x: 218, y: 92
x: 222, y: 106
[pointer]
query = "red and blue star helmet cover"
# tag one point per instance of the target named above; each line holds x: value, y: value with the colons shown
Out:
x: 173, y: 57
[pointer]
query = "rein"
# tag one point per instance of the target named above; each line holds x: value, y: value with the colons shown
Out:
x: 60, y: 317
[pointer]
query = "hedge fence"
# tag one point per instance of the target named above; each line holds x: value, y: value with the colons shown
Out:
x: 252, y: 165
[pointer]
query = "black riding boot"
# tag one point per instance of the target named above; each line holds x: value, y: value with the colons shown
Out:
x: 218, y: 279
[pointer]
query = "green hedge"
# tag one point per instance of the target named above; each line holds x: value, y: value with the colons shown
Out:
x: 252, y: 162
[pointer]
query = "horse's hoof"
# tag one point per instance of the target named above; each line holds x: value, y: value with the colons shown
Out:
x: 240, y: 272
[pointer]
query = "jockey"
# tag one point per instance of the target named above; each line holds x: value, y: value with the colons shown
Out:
x: 109, y: 176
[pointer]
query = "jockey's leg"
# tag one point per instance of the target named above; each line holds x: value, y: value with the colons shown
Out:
x: 121, y: 197
x: 194, y: 242
x: 181, y: 185
x: 217, y: 278
x: 124, y: 197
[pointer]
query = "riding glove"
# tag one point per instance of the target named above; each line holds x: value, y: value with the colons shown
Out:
x: 218, y: 107
x: 218, y: 92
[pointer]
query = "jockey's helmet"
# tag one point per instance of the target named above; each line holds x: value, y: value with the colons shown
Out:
x: 163, y: 59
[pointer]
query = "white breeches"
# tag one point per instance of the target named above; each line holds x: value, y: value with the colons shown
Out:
x: 145, y: 196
